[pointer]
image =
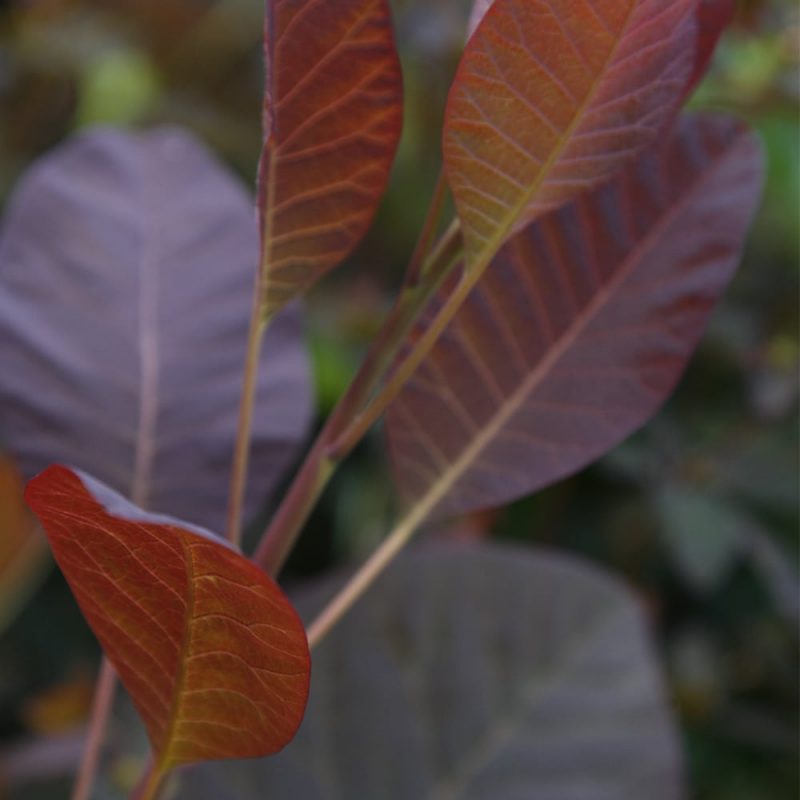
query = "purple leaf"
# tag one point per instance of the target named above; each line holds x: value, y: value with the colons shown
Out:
x: 580, y: 328
x: 127, y: 264
x: 478, y: 673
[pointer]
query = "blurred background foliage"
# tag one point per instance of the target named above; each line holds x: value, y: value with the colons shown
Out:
x: 698, y: 511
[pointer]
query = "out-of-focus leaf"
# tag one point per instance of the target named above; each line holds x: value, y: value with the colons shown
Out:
x: 126, y: 277
x: 23, y: 550
x: 581, y: 327
x: 479, y: 674
x: 704, y: 535
x: 713, y: 17
x: 332, y: 120
x: 551, y: 99
x: 778, y: 220
x: 211, y: 652
x: 118, y: 87
x: 778, y: 571
x: 60, y: 708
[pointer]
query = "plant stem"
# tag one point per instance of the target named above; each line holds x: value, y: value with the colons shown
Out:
x: 414, y: 271
x: 406, y: 528
x: 241, y: 455
x: 149, y: 785
x: 322, y: 461
x: 98, y: 720
x: 373, y: 567
x: 375, y: 408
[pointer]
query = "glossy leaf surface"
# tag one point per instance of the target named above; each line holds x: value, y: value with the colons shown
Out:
x: 713, y: 17
x: 478, y: 674
x: 552, y: 98
x: 581, y: 327
x: 127, y: 264
x: 23, y: 550
x: 211, y: 652
x: 332, y: 120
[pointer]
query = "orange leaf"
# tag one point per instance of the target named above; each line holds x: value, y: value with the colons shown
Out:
x: 23, y: 552
x: 552, y: 98
x: 211, y: 652
x: 332, y: 120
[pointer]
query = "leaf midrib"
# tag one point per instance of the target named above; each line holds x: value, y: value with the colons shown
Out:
x: 148, y: 338
x: 516, y: 399
x: 493, y: 244
x: 503, y: 728
x: 165, y: 761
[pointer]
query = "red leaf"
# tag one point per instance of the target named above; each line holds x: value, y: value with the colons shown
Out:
x: 478, y: 12
x: 551, y: 99
x: 713, y: 17
x: 332, y: 120
x: 580, y: 328
x: 211, y: 652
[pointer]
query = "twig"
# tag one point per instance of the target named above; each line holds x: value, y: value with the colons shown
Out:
x: 321, y: 463
x: 98, y: 720
x: 241, y: 455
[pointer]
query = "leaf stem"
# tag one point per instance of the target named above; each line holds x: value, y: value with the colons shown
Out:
x: 375, y: 408
x: 372, y: 568
x: 241, y: 454
x: 149, y: 785
x: 406, y: 528
x: 323, y: 459
x: 98, y: 721
x: 414, y: 271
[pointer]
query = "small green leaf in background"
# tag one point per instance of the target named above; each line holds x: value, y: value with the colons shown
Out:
x: 119, y: 87
x: 703, y: 535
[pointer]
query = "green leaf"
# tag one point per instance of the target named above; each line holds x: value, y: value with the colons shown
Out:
x: 704, y: 535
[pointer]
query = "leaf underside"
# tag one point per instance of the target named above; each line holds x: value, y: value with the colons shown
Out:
x: 123, y: 329
x: 475, y: 674
x: 551, y: 99
x: 213, y: 655
x: 580, y: 328
x: 332, y: 121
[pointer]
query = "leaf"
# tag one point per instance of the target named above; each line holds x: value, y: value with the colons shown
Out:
x: 126, y: 282
x: 704, y: 535
x: 581, y: 327
x: 486, y: 673
x: 211, y: 652
x: 778, y: 572
x: 23, y: 551
x: 478, y: 12
x: 713, y: 17
x: 332, y: 121
x: 551, y: 99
